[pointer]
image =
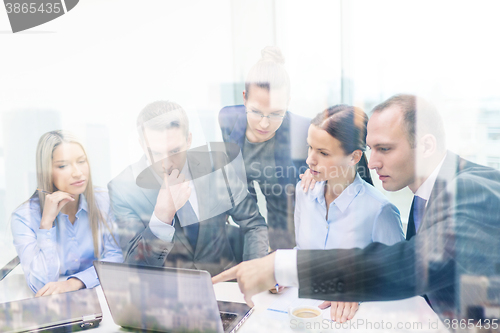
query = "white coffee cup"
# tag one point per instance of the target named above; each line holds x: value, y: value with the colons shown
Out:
x: 305, y: 318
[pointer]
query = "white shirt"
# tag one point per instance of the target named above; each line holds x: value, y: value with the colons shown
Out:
x: 425, y: 190
x: 165, y: 231
x: 285, y: 261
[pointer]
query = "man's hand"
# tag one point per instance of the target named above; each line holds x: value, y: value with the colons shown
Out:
x: 254, y: 276
x: 274, y: 291
x: 341, y: 311
x: 60, y: 287
x: 174, y: 194
x: 307, y: 181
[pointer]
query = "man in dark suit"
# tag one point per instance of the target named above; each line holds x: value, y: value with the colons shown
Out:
x: 453, y: 229
x: 183, y: 222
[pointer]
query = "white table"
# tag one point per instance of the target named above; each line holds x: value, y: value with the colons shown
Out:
x: 412, y: 314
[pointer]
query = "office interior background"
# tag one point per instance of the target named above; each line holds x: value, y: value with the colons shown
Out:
x: 93, y: 70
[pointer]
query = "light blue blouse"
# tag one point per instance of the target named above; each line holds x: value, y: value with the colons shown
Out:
x: 358, y: 216
x: 66, y: 249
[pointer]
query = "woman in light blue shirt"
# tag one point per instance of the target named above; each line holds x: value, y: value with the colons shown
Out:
x: 343, y: 210
x: 73, y: 228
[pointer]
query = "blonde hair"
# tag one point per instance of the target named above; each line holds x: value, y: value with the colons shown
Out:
x: 44, y: 157
x: 269, y: 72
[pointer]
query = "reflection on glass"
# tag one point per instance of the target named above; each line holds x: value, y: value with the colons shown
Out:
x: 50, y: 311
x: 158, y: 299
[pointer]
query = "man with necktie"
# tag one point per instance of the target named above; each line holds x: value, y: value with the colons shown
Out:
x: 416, y: 213
x: 453, y: 230
x: 183, y: 222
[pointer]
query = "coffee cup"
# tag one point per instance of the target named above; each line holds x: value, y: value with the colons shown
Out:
x: 305, y: 318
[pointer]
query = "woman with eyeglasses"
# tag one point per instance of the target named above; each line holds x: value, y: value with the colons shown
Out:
x: 272, y: 141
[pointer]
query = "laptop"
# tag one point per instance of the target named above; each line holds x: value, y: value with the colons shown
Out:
x: 9, y: 267
x: 68, y: 312
x: 166, y: 299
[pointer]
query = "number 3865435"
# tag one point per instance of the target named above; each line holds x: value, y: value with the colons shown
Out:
x: 31, y: 8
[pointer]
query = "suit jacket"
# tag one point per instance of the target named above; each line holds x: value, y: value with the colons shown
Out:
x: 459, y: 235
x: 134, y: 205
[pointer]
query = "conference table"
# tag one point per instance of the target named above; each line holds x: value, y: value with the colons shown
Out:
x: 408, y: 315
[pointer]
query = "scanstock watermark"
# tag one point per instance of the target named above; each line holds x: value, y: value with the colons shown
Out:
x: 363, y: 325
x: 26, y: 14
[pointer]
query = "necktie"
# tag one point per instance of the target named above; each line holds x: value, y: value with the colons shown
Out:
x: 416, y: 214
x: 187, y: 215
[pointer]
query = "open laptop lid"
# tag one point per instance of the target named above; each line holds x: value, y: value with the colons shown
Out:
x: 158, y: 298
x: 70, y: 311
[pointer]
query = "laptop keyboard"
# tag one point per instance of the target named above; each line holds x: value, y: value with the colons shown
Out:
x: 227, y: 318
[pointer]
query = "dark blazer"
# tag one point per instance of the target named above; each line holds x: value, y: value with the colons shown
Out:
x: 459, y: 235
x: 134, y: 205
x: 291, y: 140
x: 290, y: 156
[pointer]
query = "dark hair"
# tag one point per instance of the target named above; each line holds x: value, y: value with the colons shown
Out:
x: 418, y: 115
x: 348, y: 125
x: 161, y: 115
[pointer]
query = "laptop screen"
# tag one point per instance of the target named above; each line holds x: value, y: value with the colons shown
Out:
x: 160, y: 299
x: 47, y: 311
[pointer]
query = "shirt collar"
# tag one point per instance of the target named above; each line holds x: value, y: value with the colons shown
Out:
x: 344, y: 199
x: 425, y: 190
x: 82, y: 205
x: 318, y: 192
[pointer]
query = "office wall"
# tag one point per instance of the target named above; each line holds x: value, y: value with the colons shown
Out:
x: 93, y: 70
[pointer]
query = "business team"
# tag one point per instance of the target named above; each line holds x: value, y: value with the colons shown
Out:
x: 453, y: 229
x: 337, y: 238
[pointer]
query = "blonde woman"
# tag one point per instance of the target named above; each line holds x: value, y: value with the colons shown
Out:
x: 65, y: 225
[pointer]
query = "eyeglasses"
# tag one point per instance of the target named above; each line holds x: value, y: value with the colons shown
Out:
x: 258, y: 116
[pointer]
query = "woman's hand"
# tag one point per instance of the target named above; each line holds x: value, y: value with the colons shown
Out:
x: 307, y: 180
x: 60, y: 287
x: 53, y: 204
x: 341, y: 311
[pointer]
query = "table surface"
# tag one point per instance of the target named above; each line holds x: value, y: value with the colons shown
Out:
x: 408, y: 315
